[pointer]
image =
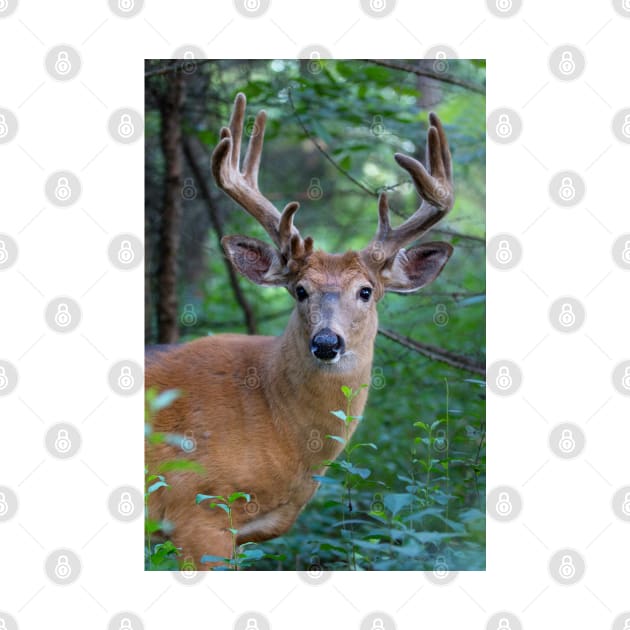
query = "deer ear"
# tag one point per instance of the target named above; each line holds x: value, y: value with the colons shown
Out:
x: 256, y: 260
x: 416, y: 267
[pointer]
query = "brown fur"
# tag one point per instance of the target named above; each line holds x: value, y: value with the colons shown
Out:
x: 254, y: 405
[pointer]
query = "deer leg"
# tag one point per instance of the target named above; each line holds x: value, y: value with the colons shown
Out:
x: 268, y: 525
x: 202, y: 534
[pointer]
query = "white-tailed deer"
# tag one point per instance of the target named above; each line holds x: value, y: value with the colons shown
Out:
x: 252, y: 404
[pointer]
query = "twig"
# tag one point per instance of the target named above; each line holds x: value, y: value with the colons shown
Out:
x: 189, y: 151
x: 438, y: 76
x: 321, y: 149
x: 437, y: 354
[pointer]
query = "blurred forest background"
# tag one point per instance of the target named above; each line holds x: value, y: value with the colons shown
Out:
x: 417, y: 502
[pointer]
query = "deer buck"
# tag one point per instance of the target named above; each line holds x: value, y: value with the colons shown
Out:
x: 254, y: 403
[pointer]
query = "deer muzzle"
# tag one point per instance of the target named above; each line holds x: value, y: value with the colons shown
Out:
x: 327, y: 345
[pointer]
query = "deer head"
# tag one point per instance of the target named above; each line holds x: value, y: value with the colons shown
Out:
x: 336, y: 294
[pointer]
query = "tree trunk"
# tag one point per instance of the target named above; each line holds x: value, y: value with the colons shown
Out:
x: 171, y: 135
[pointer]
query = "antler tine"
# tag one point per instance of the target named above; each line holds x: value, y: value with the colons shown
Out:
x: 434, y: 185
x: 242, y: 186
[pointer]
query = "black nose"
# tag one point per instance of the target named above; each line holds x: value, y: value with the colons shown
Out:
x: 326, y: 344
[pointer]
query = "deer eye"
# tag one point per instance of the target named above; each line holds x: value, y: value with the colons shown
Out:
x: 365, y: 293
x: 301, y: 293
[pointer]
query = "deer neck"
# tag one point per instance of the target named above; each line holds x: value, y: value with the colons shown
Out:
x: 303, y: 392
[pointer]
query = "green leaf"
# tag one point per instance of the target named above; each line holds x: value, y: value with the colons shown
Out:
x: 326, y: 480
x: 395, y: 502
x: 206, y: 559
x: 203, y: 497
x: 339, y: 414
x: 337, y: 438
x: 164, y: 399
x: 239, y: 495
x: 181, y: 464
x: 347, y: 391
x: 156, y: 486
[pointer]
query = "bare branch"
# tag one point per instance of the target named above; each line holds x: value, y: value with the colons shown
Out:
x: 421, y: 72
x: 437, y: 354
x: 321, y: 149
